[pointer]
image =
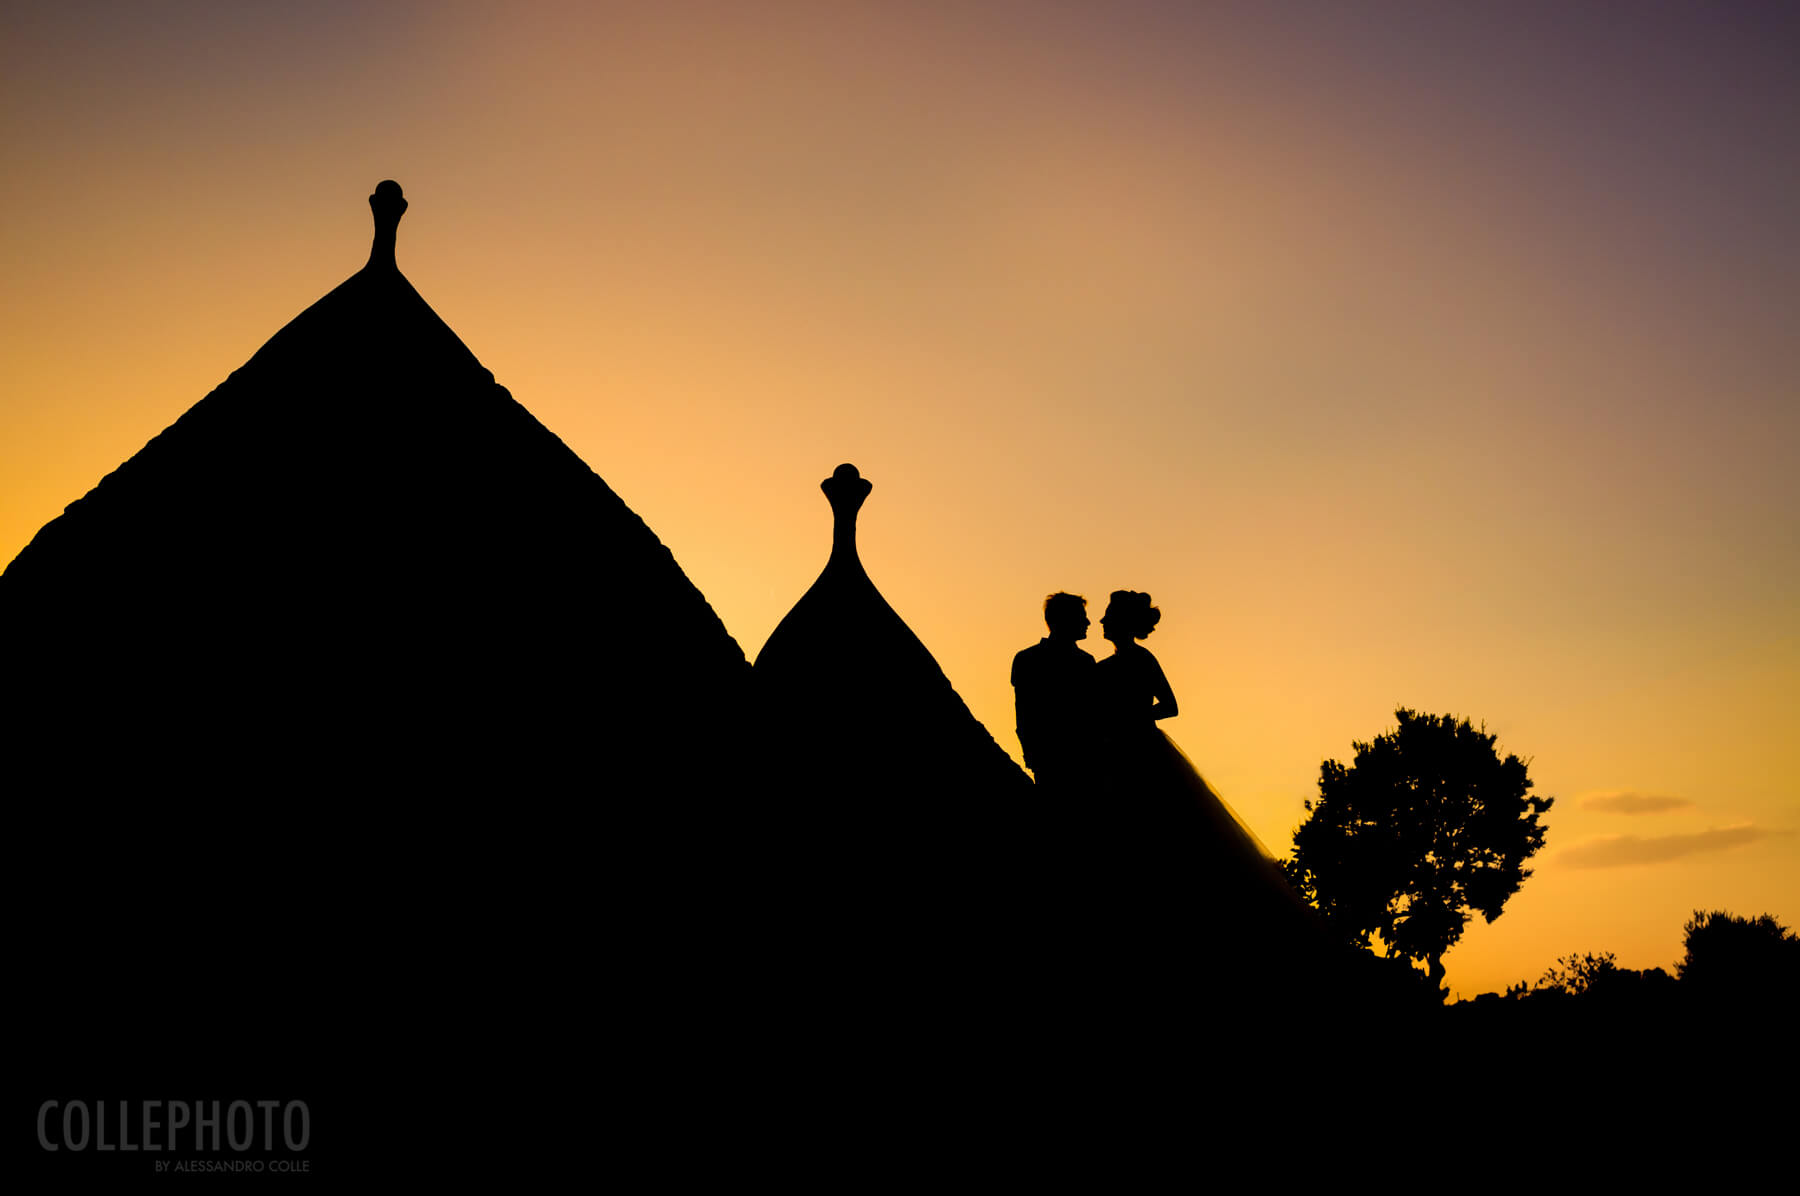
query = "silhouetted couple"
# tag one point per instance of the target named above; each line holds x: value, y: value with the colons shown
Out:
x: 1142, y: 832
x: 1084, y: 723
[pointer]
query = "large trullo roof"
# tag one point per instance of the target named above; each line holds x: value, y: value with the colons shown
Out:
x: 349, y: 720
x: 361, y: 536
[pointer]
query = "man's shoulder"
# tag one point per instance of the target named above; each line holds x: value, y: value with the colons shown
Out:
x: 1032, y: 651
x: 1047, y: 654
x: 1025, y: 659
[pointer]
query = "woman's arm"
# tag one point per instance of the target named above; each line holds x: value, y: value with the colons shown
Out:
x: 1164, y: 705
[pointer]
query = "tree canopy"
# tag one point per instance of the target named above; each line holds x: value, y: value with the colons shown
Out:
x: 1427, y: 825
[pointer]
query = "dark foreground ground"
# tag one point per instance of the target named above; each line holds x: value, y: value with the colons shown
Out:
x: 1559, y: 1094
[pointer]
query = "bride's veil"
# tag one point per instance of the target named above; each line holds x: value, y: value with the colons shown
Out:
x: 1205, y: 791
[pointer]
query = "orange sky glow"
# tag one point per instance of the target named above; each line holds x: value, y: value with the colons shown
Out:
x: 1419, y: 358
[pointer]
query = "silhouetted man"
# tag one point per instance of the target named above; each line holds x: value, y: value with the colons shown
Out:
x: 1052, y: 682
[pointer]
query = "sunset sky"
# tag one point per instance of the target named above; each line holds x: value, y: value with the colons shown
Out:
x: 1438, y: 355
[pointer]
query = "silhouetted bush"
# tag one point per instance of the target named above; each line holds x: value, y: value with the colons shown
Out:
x: 1576, y: 974
x: 1739, y: 958
x: 1597, y: 979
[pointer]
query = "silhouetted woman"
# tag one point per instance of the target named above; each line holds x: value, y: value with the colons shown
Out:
x: 1134, y: 694
x: 1174, y: 843
x: 1145, y: 769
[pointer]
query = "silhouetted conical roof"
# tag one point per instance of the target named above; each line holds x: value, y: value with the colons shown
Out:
x: 859, y: 699
x: 892, y: 821
x: 361, y: 536
x: 360, y: 683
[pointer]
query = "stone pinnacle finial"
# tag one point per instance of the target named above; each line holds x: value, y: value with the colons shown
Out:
x: 389, y: 205
x: 845, y: 490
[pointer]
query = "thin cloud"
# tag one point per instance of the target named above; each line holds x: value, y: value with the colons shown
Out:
x: 1620, y: 801
x: 1624, y: 851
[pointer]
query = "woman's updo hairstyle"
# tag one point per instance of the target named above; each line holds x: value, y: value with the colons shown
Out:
x: 1133, y: 612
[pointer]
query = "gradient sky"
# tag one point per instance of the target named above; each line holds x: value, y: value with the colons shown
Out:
x: 1423, y: 354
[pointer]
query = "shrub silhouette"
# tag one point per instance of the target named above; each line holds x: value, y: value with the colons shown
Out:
x: 1740, y: 958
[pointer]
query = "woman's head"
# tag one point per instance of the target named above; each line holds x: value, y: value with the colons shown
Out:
x: 1129, y: 616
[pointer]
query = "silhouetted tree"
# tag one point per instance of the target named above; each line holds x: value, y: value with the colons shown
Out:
x: 1726, y: 955
x: 1427, y: 824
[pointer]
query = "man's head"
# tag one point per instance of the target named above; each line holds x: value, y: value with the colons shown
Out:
x: 1066, y: 616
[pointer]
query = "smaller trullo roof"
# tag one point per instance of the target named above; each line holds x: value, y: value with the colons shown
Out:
x: 890, y: 824
x: 862, y: 701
